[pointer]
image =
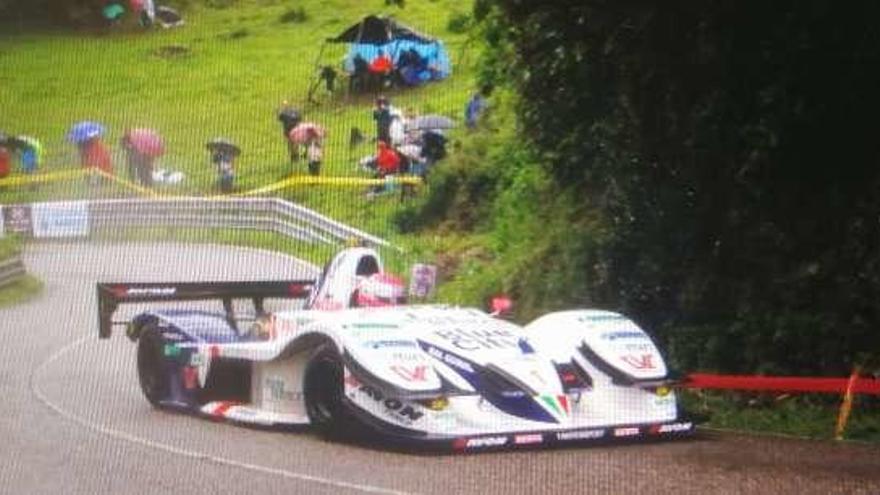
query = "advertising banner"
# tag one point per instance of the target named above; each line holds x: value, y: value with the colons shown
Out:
x: 17, y: 219
x: 422, y: 280
x: 61, y: 219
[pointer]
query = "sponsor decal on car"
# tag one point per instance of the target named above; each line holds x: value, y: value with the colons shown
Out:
x: 528, y: 439
x: 378, y: 344
x: 600, y: 318
x: 450, y: 359
x: 671, y: 428
x: 393, y: 406
x: 623, y: 335
x: 150, y: 291
x: 626, y: 432
x: 475, y: 339
x: 483, y: 442
x: 171, y: 350
x: 580, y: 435
x: 380, y: 326
x: 407, y: 356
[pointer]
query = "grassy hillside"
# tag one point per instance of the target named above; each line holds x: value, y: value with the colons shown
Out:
x: 224, y: 73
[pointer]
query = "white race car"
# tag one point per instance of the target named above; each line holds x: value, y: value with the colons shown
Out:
x: 356, y: 362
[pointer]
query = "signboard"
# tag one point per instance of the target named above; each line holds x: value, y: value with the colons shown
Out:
x: 422, y: 280
x: 17, y: 219
x: 61, y: 219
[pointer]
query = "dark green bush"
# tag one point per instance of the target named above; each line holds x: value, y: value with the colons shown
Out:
x: 296, y: 15
x: 458, y: 22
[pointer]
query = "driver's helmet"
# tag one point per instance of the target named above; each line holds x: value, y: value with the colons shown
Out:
x: 379, y: 289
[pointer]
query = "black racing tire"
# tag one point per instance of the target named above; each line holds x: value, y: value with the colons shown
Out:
x: 152, y: 375
x: 325, y: 396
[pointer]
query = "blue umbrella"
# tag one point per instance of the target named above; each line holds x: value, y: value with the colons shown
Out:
x: 83, y: 131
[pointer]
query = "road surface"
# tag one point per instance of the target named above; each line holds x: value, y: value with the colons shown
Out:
x: 74, y: 420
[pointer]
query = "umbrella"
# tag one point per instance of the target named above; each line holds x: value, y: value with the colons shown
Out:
x: 113, y: 11
x: 23, y: 142
x: 168, y: 17
x: 223, y: 144
x: 431, y: 122
x: 145, y: 141
x: 306, y: 132
x: 290, y: 116
x: 84, y: 131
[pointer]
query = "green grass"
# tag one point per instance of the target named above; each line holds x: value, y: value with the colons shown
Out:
x: 805, y: 416
x: 20, y: 291
x: 239, y: 63
x: 9, y: 246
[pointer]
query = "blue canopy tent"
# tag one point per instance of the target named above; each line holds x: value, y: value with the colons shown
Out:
x: 432, y: 66
x: 417, y: 58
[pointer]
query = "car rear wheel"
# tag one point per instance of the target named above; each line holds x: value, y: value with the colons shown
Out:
x: 152, y: 375
x: 324, y: 395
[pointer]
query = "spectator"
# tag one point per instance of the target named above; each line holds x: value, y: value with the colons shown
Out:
x: 94, y: 155
x: 315, y: 155
x: 387, y: 163
x: 382, y: 64
x: 30, y: 153
x: 5, y: 167
x: 381, y: 70
x: 387, y: 160
x: 289, y: 118
x: 224, y: 161
x: 433, y: 147
x: 475, y: 108
x: 382, y: 116
x: 359, y: 77
x: 140, y: 165
x: 328, y: 75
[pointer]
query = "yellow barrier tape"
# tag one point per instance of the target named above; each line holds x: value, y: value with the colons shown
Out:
x: 20, y: 180
x: 124, y: 183
x: 310, y: 180
x: 302, y: 180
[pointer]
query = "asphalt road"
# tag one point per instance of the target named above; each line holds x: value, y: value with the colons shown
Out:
x: 73, y: 419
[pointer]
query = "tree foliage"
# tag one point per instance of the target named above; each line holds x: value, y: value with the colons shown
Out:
x: 729, y: 147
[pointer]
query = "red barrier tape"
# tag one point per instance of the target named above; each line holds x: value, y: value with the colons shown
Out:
x: 780, y: 383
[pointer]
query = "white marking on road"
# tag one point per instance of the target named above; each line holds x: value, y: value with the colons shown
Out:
x: 127, y: 437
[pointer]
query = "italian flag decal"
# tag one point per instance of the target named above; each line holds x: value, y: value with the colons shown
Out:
x: 557, y: 404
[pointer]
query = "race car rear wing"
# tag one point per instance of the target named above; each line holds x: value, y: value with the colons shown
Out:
x: 112, y: 294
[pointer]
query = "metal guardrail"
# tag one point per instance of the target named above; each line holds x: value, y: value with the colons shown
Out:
x: 11, y: 270
x: 264, y: 214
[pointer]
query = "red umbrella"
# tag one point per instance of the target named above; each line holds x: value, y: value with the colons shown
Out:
x: 305, y: 132
x: 145, y: 141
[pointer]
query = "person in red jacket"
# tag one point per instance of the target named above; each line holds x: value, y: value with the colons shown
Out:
x: 5, y: 167
x: 387, y: 163
x: 94, y: 154
x: 387, y: 160
x: 382, y: 64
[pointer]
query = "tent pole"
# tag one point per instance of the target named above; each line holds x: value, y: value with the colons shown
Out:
x: 317, y: 81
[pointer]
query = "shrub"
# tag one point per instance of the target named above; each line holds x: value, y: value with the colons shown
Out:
x: 296, y: 16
